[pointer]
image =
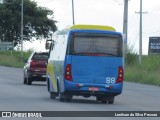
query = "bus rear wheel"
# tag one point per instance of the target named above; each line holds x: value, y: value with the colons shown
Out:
x: 111, y: 100
x: 52, y: 95
x: 106, y: 99
x: 61, y: 97
x: 66, y: 98
x: 99, y: 98
x: 103, y: 101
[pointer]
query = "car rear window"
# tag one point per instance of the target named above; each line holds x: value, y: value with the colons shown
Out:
x: 40, y: 56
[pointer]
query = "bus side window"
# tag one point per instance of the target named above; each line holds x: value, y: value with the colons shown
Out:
x: 70, y: 46
x: 50, y: 49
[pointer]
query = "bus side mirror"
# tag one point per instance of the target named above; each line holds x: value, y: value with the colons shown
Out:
x: 48, y: 44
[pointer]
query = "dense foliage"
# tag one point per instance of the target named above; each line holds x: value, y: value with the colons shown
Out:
x: 38, y: 21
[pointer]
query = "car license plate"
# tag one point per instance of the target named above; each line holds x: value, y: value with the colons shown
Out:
x: 37, y: 70
x: 93, y: 89
x: 44, y: 76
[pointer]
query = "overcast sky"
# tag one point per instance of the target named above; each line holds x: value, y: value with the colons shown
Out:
x: 109, y: 12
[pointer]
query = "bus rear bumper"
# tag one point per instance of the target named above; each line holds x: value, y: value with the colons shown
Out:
x: 80, y: 89
x: 91, y: 93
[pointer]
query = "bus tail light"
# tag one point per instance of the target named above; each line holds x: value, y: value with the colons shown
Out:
x: 68, y: 74
x: 120, y: 77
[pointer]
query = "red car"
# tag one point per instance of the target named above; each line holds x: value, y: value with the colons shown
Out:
x: 35, y: 68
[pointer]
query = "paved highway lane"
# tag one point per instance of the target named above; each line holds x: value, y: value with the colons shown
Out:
x: 15, y: 96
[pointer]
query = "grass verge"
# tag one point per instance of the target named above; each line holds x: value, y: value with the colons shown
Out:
x: 13, y: 58
x: 148, y: 72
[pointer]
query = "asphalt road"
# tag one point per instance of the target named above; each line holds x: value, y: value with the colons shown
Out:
x: 15, y: 96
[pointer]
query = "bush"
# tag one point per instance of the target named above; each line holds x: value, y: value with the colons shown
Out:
x: 131, y: 56
x: 13, y: 58
x: 147, y: 72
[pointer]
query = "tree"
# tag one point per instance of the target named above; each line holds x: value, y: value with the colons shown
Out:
x: 38, y: 21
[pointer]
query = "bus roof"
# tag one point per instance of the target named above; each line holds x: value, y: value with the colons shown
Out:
x: 92, y: 27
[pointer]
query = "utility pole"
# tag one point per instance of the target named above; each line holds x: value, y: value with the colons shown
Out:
x: 73, y: 11
x: 22, y: 30
x: 125, y: 25
x: 140, y: 34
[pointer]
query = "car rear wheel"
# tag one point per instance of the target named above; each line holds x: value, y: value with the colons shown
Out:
x: 25, y: 81
x: 29, y: 81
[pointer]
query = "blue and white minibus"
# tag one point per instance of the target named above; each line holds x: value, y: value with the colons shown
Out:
x: 88, y: 63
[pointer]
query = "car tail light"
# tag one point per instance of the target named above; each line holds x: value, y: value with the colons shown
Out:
x: 68, y: 74
x: 120, y: 77
x: 32, y: 64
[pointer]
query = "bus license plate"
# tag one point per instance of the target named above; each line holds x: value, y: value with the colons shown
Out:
x: 93, y: 89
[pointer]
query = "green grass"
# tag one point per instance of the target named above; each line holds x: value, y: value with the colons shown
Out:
x: 148, y: 72
x: 13, y: 59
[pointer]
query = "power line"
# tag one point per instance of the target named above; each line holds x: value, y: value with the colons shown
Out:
x: 46, y: 2
x: 117, y: 1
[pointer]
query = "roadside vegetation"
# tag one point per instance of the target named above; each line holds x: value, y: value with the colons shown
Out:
x: 13, y: 58
x: 148, y: 72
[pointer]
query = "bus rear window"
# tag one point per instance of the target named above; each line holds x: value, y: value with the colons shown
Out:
x: 96, y: 44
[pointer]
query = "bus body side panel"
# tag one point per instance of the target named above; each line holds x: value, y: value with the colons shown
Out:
x: 59, y: 74
x: 56, y: 63
x: 51, y: 76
